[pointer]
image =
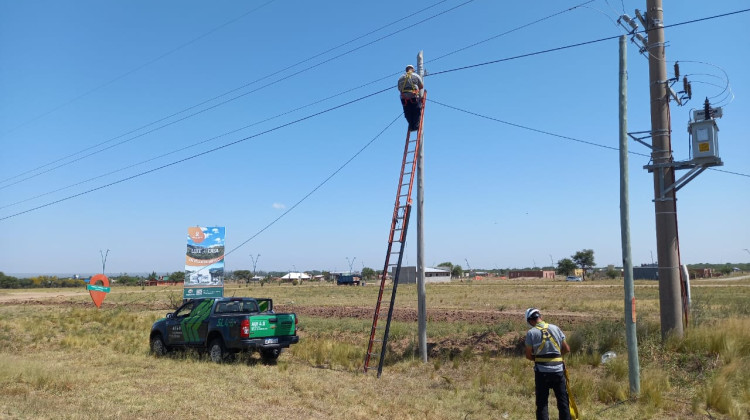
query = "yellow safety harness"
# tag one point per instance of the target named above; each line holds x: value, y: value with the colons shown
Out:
x: 546, y: 336
x: 408, y: 84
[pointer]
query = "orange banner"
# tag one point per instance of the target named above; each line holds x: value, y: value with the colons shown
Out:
x: 194, y: 261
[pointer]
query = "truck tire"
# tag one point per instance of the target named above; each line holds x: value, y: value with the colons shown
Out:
x: 216, y: 351
x: 270, y: 355
x: 158, y: 348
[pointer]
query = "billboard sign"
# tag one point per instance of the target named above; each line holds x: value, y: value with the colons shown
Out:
x: 204, y: 262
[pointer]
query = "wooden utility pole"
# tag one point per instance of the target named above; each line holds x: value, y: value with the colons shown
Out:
x: 665, y: 205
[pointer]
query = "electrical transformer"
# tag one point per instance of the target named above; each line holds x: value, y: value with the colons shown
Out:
x: 705, y: 136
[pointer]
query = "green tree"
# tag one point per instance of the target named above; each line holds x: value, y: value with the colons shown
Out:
x: 8, y: 282
x: 584, y: 259
x: 457, y: 271
x: 368, y: 273
x: 177, y: 277
x: 242, y: 275
x: 566, y: 267
x: 447, y: 265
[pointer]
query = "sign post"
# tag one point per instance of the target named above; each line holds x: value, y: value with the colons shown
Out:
x: 204, y: 263
x: 98, y: 288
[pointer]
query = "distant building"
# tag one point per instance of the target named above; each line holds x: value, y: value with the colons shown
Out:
x: 431, y: 275
x: 701, y: 273
x: 646, y: 272
x: 539, y: 274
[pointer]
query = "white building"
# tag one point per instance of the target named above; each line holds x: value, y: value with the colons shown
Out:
x: 298, y: 276
x: 431, y: 275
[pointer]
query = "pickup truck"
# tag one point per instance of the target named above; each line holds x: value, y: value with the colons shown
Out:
x: 223, y: 327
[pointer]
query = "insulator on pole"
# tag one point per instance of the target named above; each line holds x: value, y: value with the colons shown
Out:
x: 707, y: 109
x: 690, y: 90
x: 684, y: 84
x: 676, y: 70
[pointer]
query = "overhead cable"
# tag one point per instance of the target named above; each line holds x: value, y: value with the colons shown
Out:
x: 339, y: 106
x: 590, y: 143
x: 287, y: 112
x: 272, y: 74
x: 129, y: 72
x: 362, y: 149
x: 196, y: 155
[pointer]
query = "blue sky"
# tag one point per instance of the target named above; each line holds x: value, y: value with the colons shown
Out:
x: 79, y: 78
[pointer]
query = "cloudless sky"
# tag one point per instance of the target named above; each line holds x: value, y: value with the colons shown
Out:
x: 106, y: 90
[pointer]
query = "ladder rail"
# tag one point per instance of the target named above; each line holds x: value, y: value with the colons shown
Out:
x: 393, y: 300
x: 399, y: 222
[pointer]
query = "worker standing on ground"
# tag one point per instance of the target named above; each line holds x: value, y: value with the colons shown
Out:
x: 409, y: 84
x: 545, y: 346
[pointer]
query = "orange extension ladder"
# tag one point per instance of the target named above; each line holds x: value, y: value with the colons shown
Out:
x: 396, y: 245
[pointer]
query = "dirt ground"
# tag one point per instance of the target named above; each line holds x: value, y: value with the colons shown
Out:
x: 486, y: 317
x: 480, y: 343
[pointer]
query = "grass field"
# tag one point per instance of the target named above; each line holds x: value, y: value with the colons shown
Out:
x: 60, y: 357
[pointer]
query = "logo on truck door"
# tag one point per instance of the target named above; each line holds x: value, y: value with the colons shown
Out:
x: 192, y: 322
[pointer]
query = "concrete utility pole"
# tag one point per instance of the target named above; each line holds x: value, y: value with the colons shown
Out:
x: 421, y: 291
x: 665, y: 208
x: 627, y: 257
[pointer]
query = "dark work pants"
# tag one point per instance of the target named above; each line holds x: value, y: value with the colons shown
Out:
x: 412, y: 111
x: 556, y: 381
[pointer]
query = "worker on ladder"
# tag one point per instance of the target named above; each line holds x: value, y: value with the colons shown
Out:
x: 410, y: 84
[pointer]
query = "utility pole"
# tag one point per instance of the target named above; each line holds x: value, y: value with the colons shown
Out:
x: 421, y: 291
x: 627, y: 256
x: 665, y: 206
x: 104, y: 259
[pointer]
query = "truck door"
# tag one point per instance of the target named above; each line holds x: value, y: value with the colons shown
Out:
x: 185, y: 326
x: 174, y: 324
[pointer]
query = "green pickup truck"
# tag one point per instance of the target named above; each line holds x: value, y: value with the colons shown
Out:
x: 223, y: 327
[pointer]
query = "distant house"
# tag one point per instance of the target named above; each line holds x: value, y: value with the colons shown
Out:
x: 295, y: 276
x: 539, y: 274
x: 431, y: 275
x: 701, y: 273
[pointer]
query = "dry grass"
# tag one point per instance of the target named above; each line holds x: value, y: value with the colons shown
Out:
x: 69, y: 360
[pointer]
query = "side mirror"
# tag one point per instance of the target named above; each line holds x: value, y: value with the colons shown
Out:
x: 170, y: 315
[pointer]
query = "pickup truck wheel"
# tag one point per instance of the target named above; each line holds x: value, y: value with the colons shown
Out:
x: 270, y: 355
x: 158, y: 348
x: 216, y: 351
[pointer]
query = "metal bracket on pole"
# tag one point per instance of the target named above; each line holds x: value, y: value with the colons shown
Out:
x: 640, y: 139
x: 695, y: 166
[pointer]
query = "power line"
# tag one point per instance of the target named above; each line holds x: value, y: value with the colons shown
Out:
x: 580, y: 44
x: 272, y: 74
x: 278, y: 115
x: 590, y: 143
x: 129, y: 72
x: 362, y: 149
x: 197, y: 154
x: 381, y: 91
x: 549, y: 133
x: 185, y: 148
x: 517, y: 28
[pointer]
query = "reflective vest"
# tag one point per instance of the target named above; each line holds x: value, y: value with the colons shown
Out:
x: 550, y: 359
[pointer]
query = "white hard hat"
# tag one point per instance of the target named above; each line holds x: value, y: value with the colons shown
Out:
x: 532, y: 313
x: 409, y: 66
